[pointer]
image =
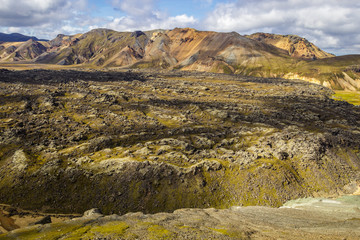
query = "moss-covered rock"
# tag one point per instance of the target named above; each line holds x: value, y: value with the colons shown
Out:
x: 74, y: 140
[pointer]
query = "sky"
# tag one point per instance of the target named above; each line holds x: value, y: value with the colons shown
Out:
x: 332, y: 25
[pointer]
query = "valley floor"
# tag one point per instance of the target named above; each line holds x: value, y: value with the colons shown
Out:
x: 161, y: 151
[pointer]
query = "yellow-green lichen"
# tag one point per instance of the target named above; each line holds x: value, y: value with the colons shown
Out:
x: 159, y: 232
x: 53, y: 232
x: 112, y: 229
x: 230, y: 233
x: 349, y: 96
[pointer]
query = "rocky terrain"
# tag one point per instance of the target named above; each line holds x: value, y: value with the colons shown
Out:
x: 296, y: 46
x: 159, y: 141
x: 302, y: 219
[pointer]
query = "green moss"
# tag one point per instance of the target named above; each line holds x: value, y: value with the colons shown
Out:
x: 7, y: 150
x: 229, y: 233
x: 350, y: 97
x: 222, y: 231
x: 227, y: 70
x: 167, y: 122
x: 350, y: 156
x: 113, y: 229
x: 79, y: 233
x: 69, y: 231
x: 159, y: 232
x: 54, y: 232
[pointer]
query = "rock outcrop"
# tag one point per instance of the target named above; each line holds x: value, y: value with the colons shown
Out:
x: 305, y: 219
x: 296, y: 46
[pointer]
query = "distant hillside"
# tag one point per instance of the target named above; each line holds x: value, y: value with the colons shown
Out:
x: 16, y: 37
x: 296, y: 46
x: 28, y: 50
x: 186, y: 49
x: 260, y: 54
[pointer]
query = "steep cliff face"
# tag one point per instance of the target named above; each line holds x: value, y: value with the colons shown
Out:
x: 296, y: 46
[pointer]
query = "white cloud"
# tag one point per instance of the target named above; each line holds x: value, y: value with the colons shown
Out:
x: 135, y: 7
x: 329, y: 23
x: 172, y: 22
x: 47, y: 18
x: 146, y: 17
x: 22, y: 13
x: 155, y: 22
x: 43, y: 18
x: 13, y: 29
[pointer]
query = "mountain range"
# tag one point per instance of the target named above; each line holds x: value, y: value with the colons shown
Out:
x: 259, y: 54
x: 16, y: 37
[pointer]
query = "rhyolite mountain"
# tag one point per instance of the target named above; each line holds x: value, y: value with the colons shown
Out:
x: 185, y: 49
x: 296, y: 46
x: 28, y: 50
x: 262, y: 55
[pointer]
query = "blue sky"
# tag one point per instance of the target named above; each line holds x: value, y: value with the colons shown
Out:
x: 333, y: 25
x: 198, y: 8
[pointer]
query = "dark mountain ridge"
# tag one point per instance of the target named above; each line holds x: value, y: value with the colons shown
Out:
x: 17, y: 37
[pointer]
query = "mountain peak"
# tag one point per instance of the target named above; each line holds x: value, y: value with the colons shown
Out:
x: 296, y: 46
x: 184, y: 30
x: 137, y: 33
x: 17, y: 37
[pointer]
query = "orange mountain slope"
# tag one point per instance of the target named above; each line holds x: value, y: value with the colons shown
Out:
x: 260, y: 54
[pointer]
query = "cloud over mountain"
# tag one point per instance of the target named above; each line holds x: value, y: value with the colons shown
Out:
x: 147, y: 17
x: 132, y: 8
x: 43, y: 18
x: 22, y: 13
x: 333, y: 25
